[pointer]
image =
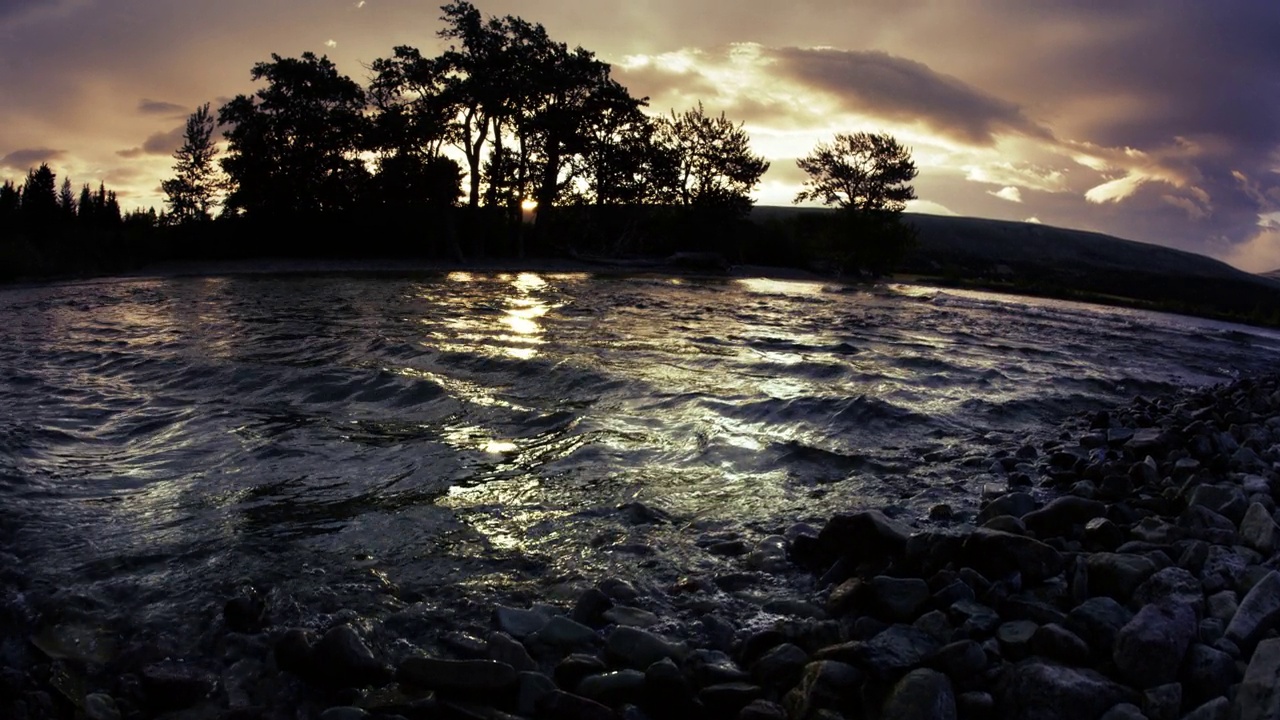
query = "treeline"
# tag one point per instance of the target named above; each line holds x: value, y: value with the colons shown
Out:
x: 508, y: 143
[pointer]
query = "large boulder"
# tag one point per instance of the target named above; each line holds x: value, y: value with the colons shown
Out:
x: 1172, y: 584
x: 1258, y: 530
x: 860, y: 536
x: 1258, y: 697
x: 1035, y: 689
x: 998, y: 554
x: 921, y: 695
x: 1061, y: 514
x: 1259, y: 611
x: 1097, y: 621
x: 1118, y: 575
x: 1150, y: 647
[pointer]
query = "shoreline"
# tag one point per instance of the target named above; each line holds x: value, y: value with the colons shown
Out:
x: 1127, y: 569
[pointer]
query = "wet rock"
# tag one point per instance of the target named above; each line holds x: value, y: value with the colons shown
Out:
x: 566, y: 706
x: 518, y: 623
x: 1150, y: 647
x: 1222, y: 605
x: 936, y: 624
x: 1060, y: 515
x: 921, y: 695
x: 711, y: 667
x: 960, y: 659
x: 997, y: 554
x: 293, y: 652
x: 245, y: 614
x: 344, y: 713
x: 780, y: 667
x: 1058, y: 643
x: 561, y: 632
x: 975, y: 619
x: 590, y: 607
x: 730, y: 548
x: 953, y: 592
x: 666, y: 683
x: 1117, y: 575
x: 1227, y: 500
x: 794, y: 608
x: 173, y: 685
x: 1102, y: 534
x: 898, y: 649
x: 1173, y: 585
x: 863, y: 535
x: 619, y: 590
x: 1006, y: 523
x: 1162, y: 702
x: 1258, y: 697
x: 899, y: 599
x: 1014, y: 504
x: 471, y: 677
x: 1216, y: 709
x: 1258, y: 613
x: 975, y: 705
x: 341, y: 657
x: 1124, y: 711
x: 636, y: 648
x: 727, y: 699
x: 1258, y: 530
x: 506, y: 649
x: 1035, y: 689
x: 572, y: 669
x: 100, y: 706
x: 634, y: 617
x: 1207, y: 673
x: 1015, y: 638
x: 825, y: 685
x: 613, y: 688
x: 1097, y: 621
x: 763, y: 710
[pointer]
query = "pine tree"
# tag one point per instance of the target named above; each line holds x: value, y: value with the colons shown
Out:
x: 67, y: 200
x: 191, y: 194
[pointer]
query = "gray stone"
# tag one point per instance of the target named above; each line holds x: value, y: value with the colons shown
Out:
x: 863, y: 535
x: 1226, y: 500
x: 1097, y: 621
x: 897, y: 649
x: 173, y: 685
x: 636, y: 648
x: 1117, y: 575
x: 997, y: 554
x: 1034, y: 689
x: 531, y: 688
x: 1174, y: 585
x: 1015, y: 638
x: 1124, y: 711
x: 567, y: 706
x: 960, y: 659
x: 342, y: 657
x: 1207, y: 673
x: 763, y: 710
x: 899, y: 599
x: 518, y: 623
x: 1163, y: 702
x: 1058, y: 643
x: 975, y: 704
x: 1211, y: 630
x: 619, y: 590
x: 935, y: 623
x: 626, y: 615
x: 1258, y: 697
x: 613, y: 688
x: 825, y: 685
x: 344, y: 713
x: 461, y: 676
x: 1146, y: 441
x: 921, y: 695
x: 1057, y: 518
x: 573, y: 668
x: 562, y: 632
x: 100, y: 706
x: 1223, y: 605
x: 1258, y: 530
x: 1014, y: 504
x: 781, y: 667
x: 1216, y: 709
x: 1150, y: 647
x: 975, y: 619
x: 1258, y: 613
x: 1223, y: 568
x: 506, y: 649
x: 1101, y: 533
x: 727, y: 699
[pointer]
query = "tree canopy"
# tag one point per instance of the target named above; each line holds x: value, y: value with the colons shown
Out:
x: 864, y: 172
x: 190, y: 194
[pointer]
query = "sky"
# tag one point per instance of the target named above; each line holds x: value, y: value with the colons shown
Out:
x: 1154, y: 120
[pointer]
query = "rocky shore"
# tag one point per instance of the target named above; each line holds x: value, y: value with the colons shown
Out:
x: 1127, y: 569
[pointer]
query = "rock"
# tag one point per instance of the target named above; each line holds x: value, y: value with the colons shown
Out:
x: 1223, y: 568
x: 100, y: 706
x: 619, y: 590
x: 1097, y: 621
x: 1147, y: 441
x: 566, y: 706
x: 730, y: 548
x: 636, y: 648
x: 961, y: 659
x: 1216, y: 709
x: 1034, y: 689
x: 1015, y: 638
x: 863, y: 535
x: 727, y: 699
x: 1117, y: 575
x: 1258, y: 613
x: 1258, y: 530
x: 1174, y: 585
x: 921, y: 695
x: 506, y: 649
x: 669, y: 687
x: 1163, y: 702
x: 935, y: 623
x: 245, y: 614
x: 342, y: 658
x: 997, y: 554
x: 174, y: 685
x: 531, y: 687
x: 781, y: 667
x: 1014, y: 504
x: 1226, y: 500
x: 825, y: 685
x: 899, y: 599
x: 1258, y: 697
x: 590, y: 607
x: 1207, y: 673
x: 518, y: 623
x: 572, y: 669
x: 763, y: 710
x: 634, y: 617
x: 613, y: 688
x: 1102, y: 534
x: 1150, y: 647
x: 898, y: 649
x: 975, y: 704
x: 561, y: 632
x: 953, y: 592
x: 1057, y: 518
x: 293, y: 652
x: 975, y: 619
x: 1058, y: 643
x: 344, y: 713
x: 1223, y: 605
x: 470, y: 677
x: 1124, y: 711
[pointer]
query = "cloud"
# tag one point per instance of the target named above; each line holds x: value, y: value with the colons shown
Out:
x: 928, y: 207
x: 331, y: 43
x: 22, y: 160
x: 1020, y: 174
x: 1010, y: 193
x: 159, y: 107
x: 1260, y: 253
x: 1033, y: 220
x: 876, y: 83
x: 161, y: 143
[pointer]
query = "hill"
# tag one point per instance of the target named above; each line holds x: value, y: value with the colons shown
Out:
x: 1057, y: 262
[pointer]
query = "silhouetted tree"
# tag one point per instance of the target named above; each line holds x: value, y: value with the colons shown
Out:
x: 40, y: 198
x: 293, y: 145
x: 476, y: 72
x: 84, y: 207
x: 190, y: 194
x: 712, y: 165
x: 67, y: 200
x: 10, y: 203
x: 867, y: 176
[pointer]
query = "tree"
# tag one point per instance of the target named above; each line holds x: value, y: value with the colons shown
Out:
x: 864, y: 172
x: 867, y: 176
x: 293, y: 147
x: 40, y: 197
x: 190, y: 195
x: 711, y: 163
x: 67, y: 200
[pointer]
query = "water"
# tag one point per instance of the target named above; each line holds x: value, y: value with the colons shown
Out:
x: 378, y: 445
